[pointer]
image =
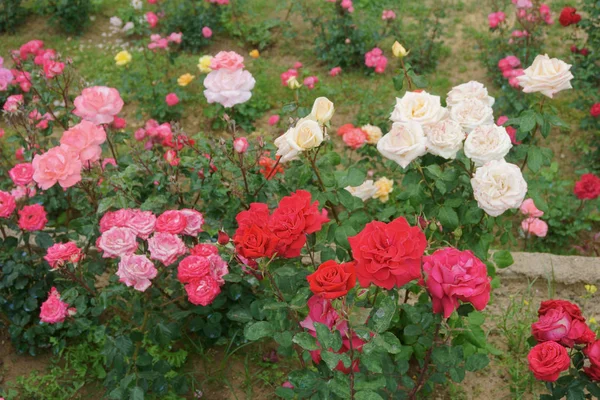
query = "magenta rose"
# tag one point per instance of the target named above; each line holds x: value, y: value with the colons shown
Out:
x: 192, y: 268
x: 202, y: 291
x: 194, y: 219
x: 141, y: 222
x: 547, y: 360
x: 171, y: 221
x: 54, y: 310
x: 136, y: 270
x: 85, y: 139
x: 61, y: 253
x: 32, y: 218
x: 59, y: 164
x: 561, y: 321
x: 21, y: 174
x: 7, y: 204
x: 98, y: 104
x: 592, y: 351
x: 117, y: 242
x: 166, y: 247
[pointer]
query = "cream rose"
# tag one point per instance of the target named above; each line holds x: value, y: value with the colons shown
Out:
x: 422, y: 107
x: 403, y: 143
x: 470, y: 90
x: 486, y: 143
x: 498, y: 186
x: 322, y: 110
x: 547, y: 76
x: 284, y: 150
x: 307, y: 134
x: 364, y: 191
x: 373, y: 133
x: 444, y: 138
x: 384, y: 187
x: 472, y: 113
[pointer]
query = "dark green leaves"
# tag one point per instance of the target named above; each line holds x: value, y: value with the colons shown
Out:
x: 258, y: 330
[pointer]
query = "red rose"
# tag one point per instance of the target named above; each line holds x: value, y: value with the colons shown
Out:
x: 388, y: 255
x: 595, y: 110
x: 223, y: 238
x: 332, y: 280
x: 588, y: 187
x: 568, y: 307
x: 172, y: 221
x: 569, y: 16
x: 32, y: 218
x: 255, y: 242
x: 592, y: 351
x: 547, y: 360
x: 584, y: 52
x: 561, y: 321
x: 301, y: 202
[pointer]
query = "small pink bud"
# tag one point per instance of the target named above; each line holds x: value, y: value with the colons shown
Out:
x: 240, y: 145
x: 273, y: 119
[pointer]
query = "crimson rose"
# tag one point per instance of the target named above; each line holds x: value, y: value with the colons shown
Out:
x: 332, y: 280
x: 547, y: 360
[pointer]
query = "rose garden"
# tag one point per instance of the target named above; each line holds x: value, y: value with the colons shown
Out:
x: 325, y: 199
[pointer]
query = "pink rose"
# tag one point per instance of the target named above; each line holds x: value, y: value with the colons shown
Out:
x: 355, y: 138
x: 228, y: 88
x: 528, y: 208
x: 152, y: 19
x: 139, y: 134
x: 171, y: 99
x: 310, y: 81
x: 53, y: 68
x: 285, y: 77
x: 117, y: 242
x: 108, y: 161
x: 297, y: 65
x: 59, y: 164
x: 61, y: 253
x: 175, y: 37
x: 204, y: 249
x: 21, y: 174
x: 136, y: 270
x: 98, y: 104
x: 85, y: 139
x: 202, y: 291
x: 141, y: 222
x: 119, y: 218
x: 388, y: 15
x: 7, y: 204
x: 30, y: 48
x: 227, y: 60
x: 194, y: 219
x: 376, y: 59
x: 335, y: 71
x: 166, y: 247
x: 6, y: 78
x: 170, y: 157
x: 13, y: 102
x: 452, y: 275
x: 32, y: 218
x: 218, y: 268
x: 273, y: 119
x: 55, y: 310
x: 171, y: 221
x: 207, y: 32
x: 240, y: 145
x: 119, y: 123
x: 192, y: 268
x: 534, y: 226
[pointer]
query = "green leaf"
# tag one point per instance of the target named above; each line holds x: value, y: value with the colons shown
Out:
x: 306, y: 341
x: 328, y: 339
x: 43, y: 240
x: 503, y: 259
x: 258, y: 330
x: 382, y: 317
x: 239, y: 314
x: 137, y: 393
x: 535, y: 158
x: 476, y: 362
x: 527, y: 121
x: 353, y: 177
x: 398, y: 82
x: 105, y: 204
x: 448, y: 217
x: 373, y: 362
x: 367, y: 395
x: 332, y: 359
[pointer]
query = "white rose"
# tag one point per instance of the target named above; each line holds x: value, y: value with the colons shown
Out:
x: 322, y: 110
x: 498, y: 186
x: 444, y: 138
x: 364, y: 191
x: 486, y: 143
x: 546, y: 75
x: 137, y: 4
x: 228, y: 88
x: 470, y: 90
x: 373, y: 133
x: 472, y: 113
x: 307, y: 134
x: 422, y: 107
x: 284, y: 150
x: 403, y: 143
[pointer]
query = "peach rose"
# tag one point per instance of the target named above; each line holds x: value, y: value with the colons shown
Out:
x: 98, y: 104
x: 59, y: 164
x: 85, y: 139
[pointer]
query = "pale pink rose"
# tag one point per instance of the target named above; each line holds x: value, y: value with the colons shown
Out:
x: 175, y: 37
x: 21, y: 192
x: 240, y: 145
x: 119, y: 218
x: 7, y: 204
x: 166, y: 247
x: 171, y: 221
x: 59, y: 254
x: 13, y: 102
x: 528, y: 208
x: 194, y: 221
x: 117, y: 242
x: 207, y: 32
x: 347, y: 5
x: 136, y: 270
x: 6, y: 78
x: 273, y: 119
x: 85, y: 139
x: 54, y: 310
x: 228, y: 88
x: 21, y: 174
x: 218, y: 268
x: 388, y: 15
x: 534, y: 226
x: 202, y: 291
x: 227, y: 60
x: 98, y: 104
x: 171, y: 99
x: 335, y: 71
x: 59, y: 164
x: 142, y: 223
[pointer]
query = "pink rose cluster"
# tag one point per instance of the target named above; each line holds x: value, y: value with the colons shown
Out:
x: 151, y: 19
x: 494, y: 19
x: 163, y: 135
x: 525, y: 16
x: 375, y: 59
x: 40, y: 121
x: 159, y: 42
x: 13, y: 103
x: 228, y: 83
x: 45, y: 58
x: 532, y: 225
x: 310, y: 82
x: 202, y: 274
x: 388, y: 15
x: 60, y: 254
x: 54, y: 310
x: 510, y: 66
x: 511, y: 131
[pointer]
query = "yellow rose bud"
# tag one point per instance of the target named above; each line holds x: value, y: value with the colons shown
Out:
x: 123, y: 58
x: 385, y: 186
x: 592, y: 320
x: 254, y: 53
x: 591, y: 289
x: 399, y: 51
x: 204, y: 64
x: 293, y: 83
x: 185, y: 79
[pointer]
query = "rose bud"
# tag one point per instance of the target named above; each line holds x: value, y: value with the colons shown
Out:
x: 240, y: 145
x: 223, y: 238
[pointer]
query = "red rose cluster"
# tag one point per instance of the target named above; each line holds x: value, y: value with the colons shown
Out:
x: 560, y: 324
x: 569, y: 16
x: 261, y: 234
x: 588, y: 187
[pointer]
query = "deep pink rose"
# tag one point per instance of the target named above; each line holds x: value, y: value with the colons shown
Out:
x: 53, y: 68
x: 207, y: 32
x: 61, y: 253
x: 98, y: 104
x: 202, y: 291
x: 335, y: 71
x: 273, y: 119
x: 561, y: 321
x: 194, y: 219
x: 21, y: 174
x: 227, y: 60
x: 54, y: 310
x: 285, y: 76
x: 59, y: 164
x: 141, y: 222
x: 30, y: 48
x: 547, y: 360
x: 172, y: 99
x: 7, y: 204
x: 136, y: 270
x: 85, y: 139
x: 171, y: 221
x: 32, y: 218
x: 592, y: 351
x: 152, y: 19
x: 535, y: 227
x: 192, y: 268
x: 228, y: 87
x: 117, y: 242
x: 204, y: 249
x: 119, y: 218
x: 166, y: 247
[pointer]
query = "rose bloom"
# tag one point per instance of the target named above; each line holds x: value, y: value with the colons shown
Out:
x: 32, y: 218
x: 61, y: 253
x: 53, y: 68
x: 486, y: 143
x: 528, y: 208
x: 453, y: 275
x: 388, y: 255
x: 171, y: 221
x: 240, y: 145
x: 85, y: 139
x: 332, y: 280
x: 561, y: 321
x: 587, y: 187
x: 373, y: 133
x: 273, y: 119
x: 322, y: 110
x: 140, y: 222
x: 152, y: 19
x: 547, y: 76
x: 171, y: 99
x: 202, y: 292
x: 204, y: 64
x: 98, y: 104
x: 192, y: 268
x: 166, y: 247
x: 595, y: 110
x: 335, y: 71
x: 472, y: 113
x: 285, y: 151
x: 307, y: 134
x: 227, y: 60
x: 228, y: 87
x: 404, y: 143
x: 123, y: 58
x: 21, y: 174
x: 13, y: 102
x: 194, y: 220
x: 470, y: 90
x: 136, y: 270
x: 571, y: 309
x: 547, y: 360
x: 593, y: 372
x: 204, y: 249
x: 218, y: 268
x: 592, y: 351
x: 253, y: 239
x: 6, y: 77
x: 185, y: 79
x: 534, y: 226
x: 54, y: 310
x: 421, y: 107
x: 384, y: 188
x: 7, y: 204
x: 117, y: 242
x: 119, y: 218
x: 444, y: 138
x: 355, y: 139
x: 498, y: 186
x: 365, y: 191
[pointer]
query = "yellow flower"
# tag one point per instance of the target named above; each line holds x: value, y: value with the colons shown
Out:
x: 254, y: 53
x: 204, y: 64
x: 399, y: 51
x: 525, y: 302
x: 591, y: 289
x: 592, y: 320
x: 123, y: 58
x: 185, y: 79
x: 293, y: 83
x: 384, y: 188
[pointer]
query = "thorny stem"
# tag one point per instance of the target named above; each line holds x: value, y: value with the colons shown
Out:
x: 413, y: 393
x: 408, y: 80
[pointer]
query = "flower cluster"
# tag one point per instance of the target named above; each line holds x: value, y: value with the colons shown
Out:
x: 379, y: 189
x: 569, y: 16
x: 510, y: 66
x: 202, y: 274
x: 375, y: 59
